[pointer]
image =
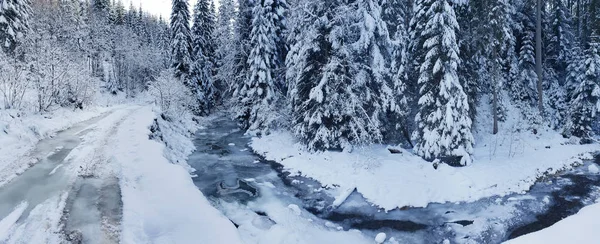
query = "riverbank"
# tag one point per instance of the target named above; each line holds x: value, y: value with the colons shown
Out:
x: 403, y: 179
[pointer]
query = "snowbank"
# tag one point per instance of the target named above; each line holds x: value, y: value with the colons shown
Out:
x: 19, y: 134
x: 579, y: 228
x: 160, y: 202
x: 397, y: 180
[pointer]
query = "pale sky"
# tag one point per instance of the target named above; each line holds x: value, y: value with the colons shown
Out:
x: 158, y: 7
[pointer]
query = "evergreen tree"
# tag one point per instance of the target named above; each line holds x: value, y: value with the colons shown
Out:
x: 181, y: 48
x: 561, y: 38
x: 243, y: 26
x: 224, y: 47
x: 585, y: 103
x: 395, y: 15
x: 14, y: 22
x: 340, y: 74
x: 573, y: 72
x: 443, y: 123
x: 523, y: 90
x: 261, y: 92
x: 202, y: 55
x: 101, y: 6
x: 280, y: 11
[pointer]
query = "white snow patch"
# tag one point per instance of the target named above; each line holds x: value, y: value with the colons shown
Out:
x: 7, y: 223
x: 397, y: 180
x: 341, y: 198
x: 579, y: 228
x: 55, y: 169
x: 593, y: 169
x: 295, y: 209
x: 42, y: 225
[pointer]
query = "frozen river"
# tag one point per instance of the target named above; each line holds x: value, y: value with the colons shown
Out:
x: 258, y: 195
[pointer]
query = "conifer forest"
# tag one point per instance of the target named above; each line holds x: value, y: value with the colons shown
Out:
x: 299, y: 121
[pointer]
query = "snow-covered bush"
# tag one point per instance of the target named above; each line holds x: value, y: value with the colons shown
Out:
x: 171, y: 95
x: 58, y: 80
x: 13, y: 83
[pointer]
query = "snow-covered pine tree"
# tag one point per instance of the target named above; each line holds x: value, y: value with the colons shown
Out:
x: 416, y: 41
x: 561, y: 38
x: 308, y: 51
x: 203, y: 28
x: 498, y: 36
x: 101, y: 6
x: 574, y: 71
x: 585, y: 103
x: 280, y: 11
x: 202, y: 56
x: 523, y: 89
x: 395, y: 15
x: 224, y: 48
x: 14, y: 22
x: 443, y: 123
x: 180, y: 42
x: 341, y: 81
x: 260, y: 91
x: 242, y: 29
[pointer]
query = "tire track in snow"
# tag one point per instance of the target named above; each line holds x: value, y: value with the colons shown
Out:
x: 94, y: 208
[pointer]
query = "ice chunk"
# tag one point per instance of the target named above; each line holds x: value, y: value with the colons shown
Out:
x: 380, y: 238
x: 295, y: 209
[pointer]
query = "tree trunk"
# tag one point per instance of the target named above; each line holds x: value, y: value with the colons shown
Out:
x: 538, y: 55
x: 495, y: 107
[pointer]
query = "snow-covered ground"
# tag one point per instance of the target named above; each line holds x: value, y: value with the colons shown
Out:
x: 161, y: 204
x: 157, y: 201
x: 19, y: 134
x: 503, y: 164
x: 579, y: 228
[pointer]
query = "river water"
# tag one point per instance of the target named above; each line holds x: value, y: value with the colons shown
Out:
x: 239, y: 182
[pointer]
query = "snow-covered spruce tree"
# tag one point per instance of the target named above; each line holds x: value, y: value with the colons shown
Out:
x: 181, y: 48
x: 574, y: 71
x: 561, y: 38
x: 443, y: 123
x: 224, y: 48
x: 395, y: 15
x: 14, y: 22
x: 280, y: 11
x: 498, y: 35
x: 523, y: 88
x: 202, y: 56
x: 307, y: 43
x: 260, y: 92
x: 242, y: 29
x: 340, y: 89
x: 416, y: 41
x: 585, y: 103
x: 473, y: 59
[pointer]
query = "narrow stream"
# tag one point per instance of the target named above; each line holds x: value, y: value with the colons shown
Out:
x: 238, y: 181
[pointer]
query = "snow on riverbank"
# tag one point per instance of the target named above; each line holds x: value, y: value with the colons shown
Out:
x: 579, y: 228
x: 19, y: 134
x: 160, y: 202
x: 397, y: 180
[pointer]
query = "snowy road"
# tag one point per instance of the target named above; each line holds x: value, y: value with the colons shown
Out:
x: 60, y: 193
